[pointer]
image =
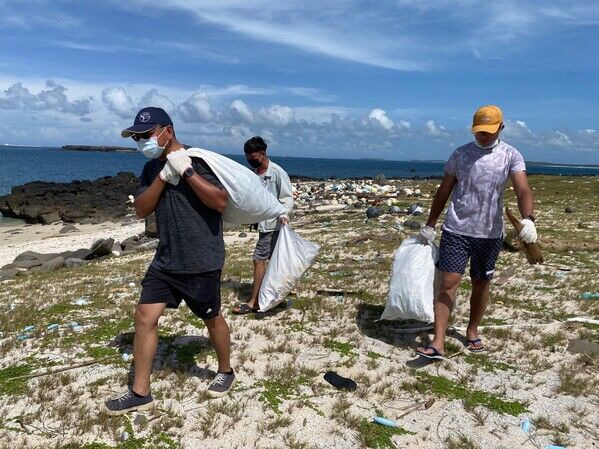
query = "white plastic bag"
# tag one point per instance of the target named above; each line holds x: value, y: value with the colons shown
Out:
x: 412, y: 286
x: 290, y: 259
x: 249, y: 200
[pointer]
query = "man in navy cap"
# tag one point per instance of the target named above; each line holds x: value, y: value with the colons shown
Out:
x: 188, y: 200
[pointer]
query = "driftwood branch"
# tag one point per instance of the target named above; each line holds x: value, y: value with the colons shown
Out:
x: 531, y: 250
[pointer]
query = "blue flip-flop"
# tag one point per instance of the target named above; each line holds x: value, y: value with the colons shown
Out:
x: 436, y: 355
x: 473, y: 342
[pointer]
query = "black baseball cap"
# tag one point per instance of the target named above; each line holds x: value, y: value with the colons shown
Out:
x: 147, y: 119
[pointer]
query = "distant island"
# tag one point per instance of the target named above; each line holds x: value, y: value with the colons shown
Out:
x: 98, y: 148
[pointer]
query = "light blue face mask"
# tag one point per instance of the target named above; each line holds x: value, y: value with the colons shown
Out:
x: 150, y: 148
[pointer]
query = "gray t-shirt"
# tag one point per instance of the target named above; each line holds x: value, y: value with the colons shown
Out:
x: 277, y: 181
x: 190, y: 233
x: 476, y: 207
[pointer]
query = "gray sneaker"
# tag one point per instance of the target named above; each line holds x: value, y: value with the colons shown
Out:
x: 221, y: 384
x: 128, y: 402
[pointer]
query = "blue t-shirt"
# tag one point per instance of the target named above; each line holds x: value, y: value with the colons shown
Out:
x: 476, y: 207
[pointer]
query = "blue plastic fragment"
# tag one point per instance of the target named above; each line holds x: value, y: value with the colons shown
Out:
x: 23, y: 337
x: 29, y: 328
x: 525, y: 425
x: 384, y: 421
x: 52, y: 327
x: 551, y: 446
x: 589, y: 295
x: 75, y: 326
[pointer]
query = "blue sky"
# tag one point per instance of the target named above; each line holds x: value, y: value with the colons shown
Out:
x: 392, y: 79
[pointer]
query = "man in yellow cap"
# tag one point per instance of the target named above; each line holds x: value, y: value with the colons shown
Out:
x: 475, y: 177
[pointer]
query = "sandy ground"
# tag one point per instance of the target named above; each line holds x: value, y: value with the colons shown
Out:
x: 529, y: 372
x: 46, y: 238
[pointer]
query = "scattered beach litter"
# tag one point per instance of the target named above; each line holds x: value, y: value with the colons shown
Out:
x: 340, y: 382
x: 83, y: 301
x: 384, y: 421
x: 589, y: 295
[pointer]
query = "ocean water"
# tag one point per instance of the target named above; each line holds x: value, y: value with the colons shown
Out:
x: 19, y: 165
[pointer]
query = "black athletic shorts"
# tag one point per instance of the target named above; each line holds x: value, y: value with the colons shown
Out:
x: 201, y: 291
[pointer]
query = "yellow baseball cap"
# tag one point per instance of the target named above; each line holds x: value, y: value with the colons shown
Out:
x: 488, y: 119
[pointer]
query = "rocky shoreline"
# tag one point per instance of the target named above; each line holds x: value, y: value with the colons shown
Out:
x: 98, y: 148
x: 84, y: 202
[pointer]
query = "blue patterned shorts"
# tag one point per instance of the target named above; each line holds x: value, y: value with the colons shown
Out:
x: 456, y: 249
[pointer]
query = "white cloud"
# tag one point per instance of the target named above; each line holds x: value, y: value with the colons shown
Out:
x: 433, y: 129
x: 302, y: 26
x: 242, y: 110
x: 196, y: 108
x: 278, y: 115
x: 18, y: 97
x: 117, y: 101
x: 380, y: 116
x: 311, y: 94
x: 516, y: 130
x: 153, y: 98
x: 221, y: 125
x: 560, y: 139
x: 400, y: 35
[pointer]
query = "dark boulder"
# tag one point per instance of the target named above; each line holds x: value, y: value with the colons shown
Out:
x: 8, y: 274
x: 68, y: 228
x: 52, y: 264
x: 411, y: 224
x: 101, y: 248
x: 373, y: 212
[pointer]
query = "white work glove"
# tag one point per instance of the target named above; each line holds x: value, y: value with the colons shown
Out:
x: 168, y: 174
x: 427, y: 234
x: 179, y: 160
x: 528, y: 234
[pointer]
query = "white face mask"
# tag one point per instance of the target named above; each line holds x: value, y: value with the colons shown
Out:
x: 488, y: 147
x: 150, y: 148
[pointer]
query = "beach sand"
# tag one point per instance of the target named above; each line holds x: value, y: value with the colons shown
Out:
x: 47, y: 239
x: 533, y: 369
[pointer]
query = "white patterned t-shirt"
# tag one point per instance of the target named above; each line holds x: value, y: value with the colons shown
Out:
x: 476, y: 206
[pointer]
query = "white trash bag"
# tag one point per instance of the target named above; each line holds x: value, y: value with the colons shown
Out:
x: 249, y: 200
x: 412, y: 286
x: 290, y: 259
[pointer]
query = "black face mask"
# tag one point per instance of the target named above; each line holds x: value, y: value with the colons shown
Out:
x: 254, y: 163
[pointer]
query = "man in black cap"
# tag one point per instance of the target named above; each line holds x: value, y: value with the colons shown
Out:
x: 188, y: 200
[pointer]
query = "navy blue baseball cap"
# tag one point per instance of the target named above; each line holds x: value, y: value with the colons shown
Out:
x: 147, y: 119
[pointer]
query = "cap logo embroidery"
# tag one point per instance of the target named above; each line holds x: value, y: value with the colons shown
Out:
x: 144, y: 117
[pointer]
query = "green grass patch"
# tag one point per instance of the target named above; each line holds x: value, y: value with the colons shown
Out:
x: 375, y: 355
x: 441, y: 386
x: 345, y: 349
x: 377, y: 436
x: 493, y: 321
x: 17, y: 386
x: 275, y: 391
x: 156, y: 441
x: 487, y: 364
